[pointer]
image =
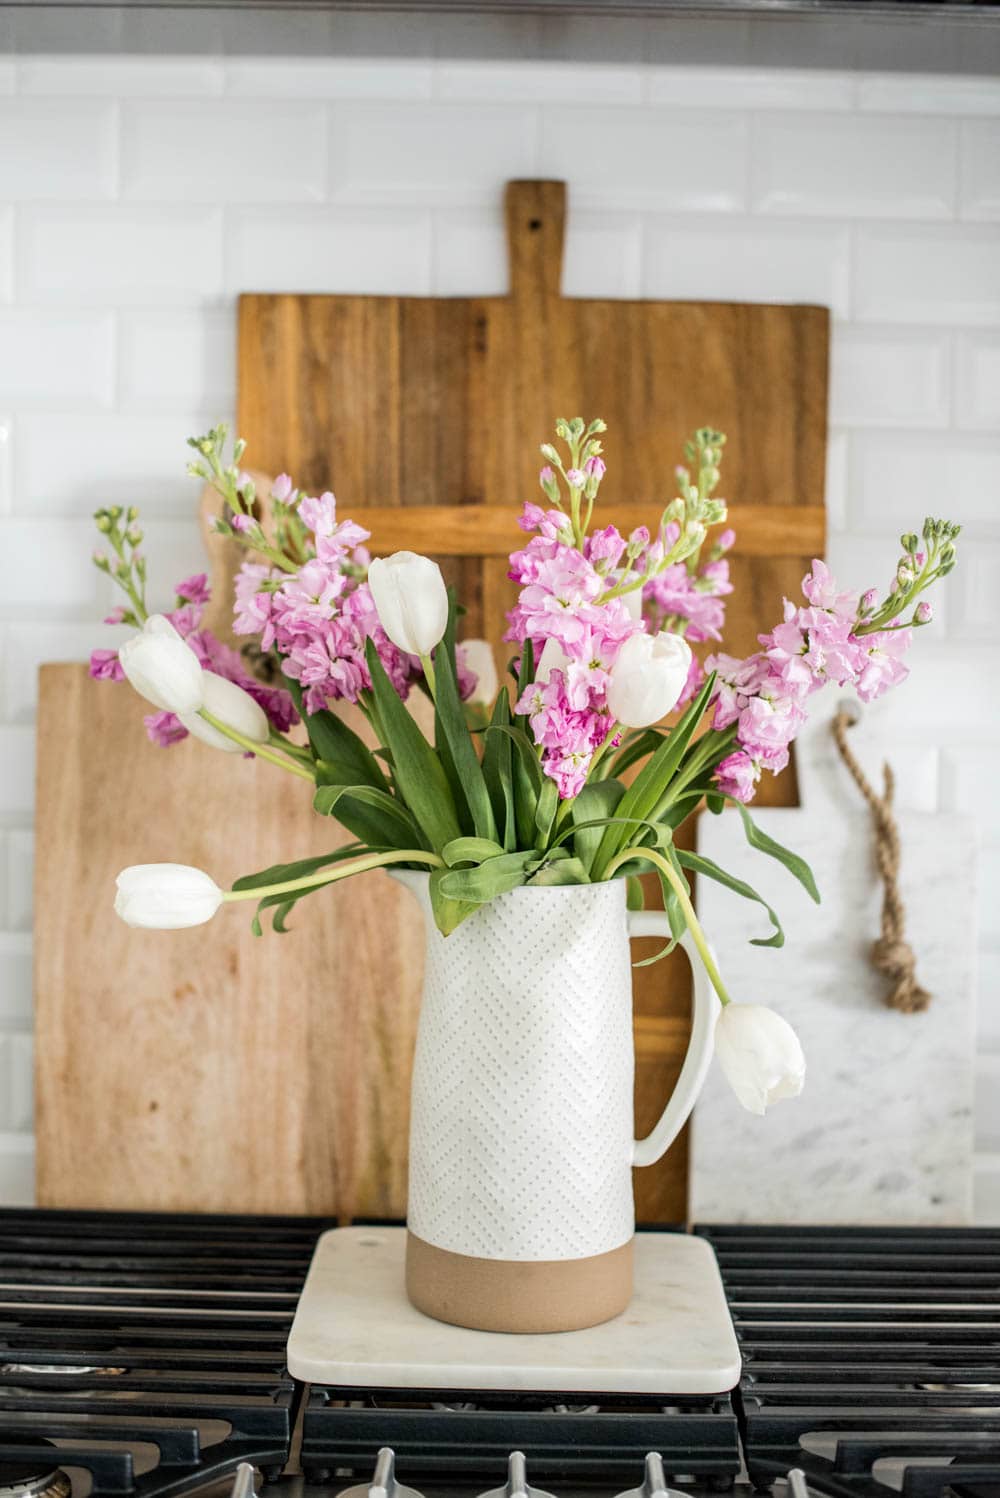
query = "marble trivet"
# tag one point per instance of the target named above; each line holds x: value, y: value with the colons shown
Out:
x: 883, y: 1131
x: 355, y: 1327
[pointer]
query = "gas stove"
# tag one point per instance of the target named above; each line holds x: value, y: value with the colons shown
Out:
x: 142, y: 1356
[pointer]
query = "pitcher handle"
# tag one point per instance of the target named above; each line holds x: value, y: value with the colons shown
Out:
x: 704, y: 1010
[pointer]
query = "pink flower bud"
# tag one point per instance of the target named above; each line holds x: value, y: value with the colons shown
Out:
x: 595, y: 467
x: 575, y: 478
x: 546, y: 476
x: 242, y: 523
x: 869, y: 601
x: 726, y: 540
x: 920, y: 558
x: 282, y: 488
x: 924, y: 613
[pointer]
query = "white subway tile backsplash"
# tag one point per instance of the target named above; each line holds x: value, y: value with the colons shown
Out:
x: 889, y: 377
x: 50, y: 148
x: 6, y: 254
x: 20, y: 875
x: 429, y: 152
x: 17, y: 800
x: 20, y: 1080
x: 68, y: 464
x: 975, y: 605
x: 654, y: 158
x: 56, y: 358
x: 328, y: 78
x: 927, y: 273
x: 859, y: 167
x: 989, y: 1009
x: 469, y: 252
x: 537, y: 82
x: 170, y: 151
x: 382, y: 251
x: 986, y: 1190
x: 177, y: 359
x: 980, y: 193
x: 836, y: 480
x: 896, y: 479
x: 746, y: 260
x: 119, y: 77
x: 17, y: 1170
x: 603, y: 256
x: 120, y: 256
x: 977, y: 381
x: 749, y: 88
x: 928, y: 93
x: 987, y: 1115
x: 31, y: 645
x: 53, y: 578
x: 6, y: 447
x: 967, y: 773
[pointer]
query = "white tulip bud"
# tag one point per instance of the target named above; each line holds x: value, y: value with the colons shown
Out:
x: 760, y: 1054
x: 162, y: 667
x: 477, y: 656
x: 233, y: 706
x: 166, y: 896
x: 647, y: 678
x: 411, y: 599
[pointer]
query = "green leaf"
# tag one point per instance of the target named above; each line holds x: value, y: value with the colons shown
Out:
x: 281, y: 873
x: 595, y: 802
x: 671, y: 904
x: 698, y: 864
x: 498, y: 771
x: 646, y: 742
x: 362, y: 806
x: 545, y: 812
x: 562, y: 871
x: 527, y: 780
x: 526, y: 673
x: 448, y: 914
x: 795, y: 865
x: 495, y: 877
x: 643, y: 796
x: 419, y: 776
x: 451, y: 727
x: 470, y: 850
x: 345, y: 757
x: 635, y: 895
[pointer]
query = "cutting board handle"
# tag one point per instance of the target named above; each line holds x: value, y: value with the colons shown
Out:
x: 536, y: 224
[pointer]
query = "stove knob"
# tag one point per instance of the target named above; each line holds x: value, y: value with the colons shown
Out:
x: 517, y: 1481
x: 383, y: 1483
x: 655, y: 1484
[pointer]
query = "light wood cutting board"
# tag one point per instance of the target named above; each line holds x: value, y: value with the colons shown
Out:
x: 207, y: 1069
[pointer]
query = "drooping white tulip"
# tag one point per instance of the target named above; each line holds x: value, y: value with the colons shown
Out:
x: 166, y: 896
x: 478, y: 657
x: 647, y: 678
x: 162, y: 667
x: 760, y: 1054
x: 232, y: 705
x: 411, y: 599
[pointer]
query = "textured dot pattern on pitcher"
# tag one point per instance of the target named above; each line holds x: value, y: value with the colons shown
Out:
x: 521, y: 1135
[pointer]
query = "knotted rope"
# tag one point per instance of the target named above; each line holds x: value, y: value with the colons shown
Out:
x: 891, y: 953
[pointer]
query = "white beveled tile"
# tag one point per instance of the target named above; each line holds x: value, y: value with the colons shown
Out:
x: 899, y: 478
x: 119, y: 256
x: 6, y: 453
x: 836, y: 479
x: 746, y: 260
x: 534, y: 82
x: 56, y: 358
x: 859, y: 167
x: 929, y: 273
x: 689, y: 160
x: 975, y: 602
x: 889, y: 377
x: 469, y: 252
x: 980, y: 189
x: 603, y: 256
x: 6, y: 254
x: 928, y: 93
x: 129, y: 77
x: 749, y: 88
x: 329, y: 77
x: 29, y: 646
x: 334, y: 250
x: 20, y: 878
x: 21, y: 1079
x: 17, y: 802
x: 52, y: 148
x: 274, y: 155
x: 977, y: 381
x: 53, y: 564
x: 177, y: 360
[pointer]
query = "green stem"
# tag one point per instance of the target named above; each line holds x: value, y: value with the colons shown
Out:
x: 343, y: 871
x: 676, y: 883
x: 429, y: 676
x: 297, y: 751
x: 252, y: 747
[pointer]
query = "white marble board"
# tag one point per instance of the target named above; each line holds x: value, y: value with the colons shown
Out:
x: 354, y: 1326
x: 883, y: 1131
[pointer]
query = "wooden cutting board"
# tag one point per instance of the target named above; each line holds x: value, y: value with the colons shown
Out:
x: 207, y: 1069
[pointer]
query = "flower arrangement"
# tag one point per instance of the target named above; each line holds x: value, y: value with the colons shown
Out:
x: 525, y: 786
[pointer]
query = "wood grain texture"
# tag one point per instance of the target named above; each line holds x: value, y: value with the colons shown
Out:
x: 288, y: 1060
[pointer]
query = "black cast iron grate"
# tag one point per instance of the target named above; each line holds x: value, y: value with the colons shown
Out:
x: 864, y: 1346
x: 165, y: 1333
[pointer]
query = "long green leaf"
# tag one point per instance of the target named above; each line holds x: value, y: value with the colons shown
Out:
x: 347, y: 760
x: 793, y: 862
x: 448, y: 914
x: 698, y: 864
x: 470, y: 850
x: 281, y: 873
x: 495, y: 877
x: 527, y: 777
x: 498, y: 772
x: 419, y: 776
x: 451, y: 727
x: 545, y: 812
x: 646, y: 742
x: 562, y: 871
x: 387, y: 822
x: 644, y: 794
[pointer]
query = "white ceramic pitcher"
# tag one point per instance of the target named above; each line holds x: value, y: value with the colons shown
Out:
x: 521, y: 1214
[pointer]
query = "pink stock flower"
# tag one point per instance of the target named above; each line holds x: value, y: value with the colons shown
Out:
x: 105, y: 665
x: 676, y: 594
x: 737, y: 776
x: 604, y: 549
x: 194, y: 589
x: 117, y: 615
x: 164, y: 729
x: 595, y: 468
x: 283, y: 488
x: 549, y: 523
x: 882, y: 665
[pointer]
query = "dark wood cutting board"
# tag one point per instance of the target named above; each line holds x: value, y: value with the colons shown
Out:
x: 206, y: 1070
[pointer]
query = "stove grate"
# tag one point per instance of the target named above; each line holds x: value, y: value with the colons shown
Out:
x: 864, y: 1347
x: 147, y: 1352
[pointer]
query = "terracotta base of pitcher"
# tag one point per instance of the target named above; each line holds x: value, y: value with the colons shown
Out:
x: 507, y: 1295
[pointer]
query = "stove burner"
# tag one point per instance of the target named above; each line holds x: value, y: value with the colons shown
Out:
x: 23, y: 1478
x: 62, y: 1370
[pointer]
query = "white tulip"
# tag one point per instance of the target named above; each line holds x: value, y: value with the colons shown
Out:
x: 411, y: 599
x: 166, y: 896
x: 478, y: 657
x: 233, y: 706
x: 647, y: 678
x: 162, y: 667
x: 760, y: 1054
